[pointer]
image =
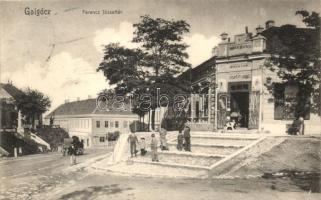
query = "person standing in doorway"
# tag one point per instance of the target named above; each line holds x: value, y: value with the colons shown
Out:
x: 187, y: 138
x: 153, y: 147
x: 132, y: 139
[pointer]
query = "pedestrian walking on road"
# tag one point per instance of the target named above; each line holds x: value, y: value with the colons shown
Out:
x: 180, y: 141
x: 132, y: 139
x: 153, y: 147
x: 187, y: 138
x: 72, y: 152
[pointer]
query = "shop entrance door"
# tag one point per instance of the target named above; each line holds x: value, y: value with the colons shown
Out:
x: 240, y: 95
x: 240, y: 108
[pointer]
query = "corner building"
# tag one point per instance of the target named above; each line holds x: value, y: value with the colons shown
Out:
x: 240, y: 87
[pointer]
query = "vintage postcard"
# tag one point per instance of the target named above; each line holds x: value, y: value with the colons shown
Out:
x: 160, y: 99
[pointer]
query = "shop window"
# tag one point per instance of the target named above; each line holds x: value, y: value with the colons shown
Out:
x: 98, y: 124
x: 116, y: 124
x: 189, y: 112
x: 106, y: 124
x: 286, y: 100
x: 206, y: 106
x: 101, y: 139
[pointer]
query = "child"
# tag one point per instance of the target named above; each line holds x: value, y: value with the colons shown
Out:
x: 180, y: 140
x: 142, y: 147
x: 153, y: 147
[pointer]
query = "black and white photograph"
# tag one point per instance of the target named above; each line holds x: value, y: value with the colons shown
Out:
x: 160, y: 100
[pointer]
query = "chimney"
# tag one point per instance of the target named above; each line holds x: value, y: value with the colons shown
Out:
x: 224, y: 36
x: 269, y: 24
x: 78, y: 98
x: 89, y: 96
x: 259, y: 29
x: 246, y: 30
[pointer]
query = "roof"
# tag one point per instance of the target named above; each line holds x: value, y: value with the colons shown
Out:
x: 200, y: 71
x: 4, y: 94
x: 11, y: 90
x: 85, y: 107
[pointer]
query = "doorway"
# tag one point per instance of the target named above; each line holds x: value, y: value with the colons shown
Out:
x: 240, y: 108
x: 240, y: 100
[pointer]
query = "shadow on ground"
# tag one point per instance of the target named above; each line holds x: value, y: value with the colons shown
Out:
x: 89, y: 192
x: 306, y: 181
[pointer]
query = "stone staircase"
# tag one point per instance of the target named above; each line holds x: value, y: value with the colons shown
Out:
x: 208, y: 150
x: 213, y: 154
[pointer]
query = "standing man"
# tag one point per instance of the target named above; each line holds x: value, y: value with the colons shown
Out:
x: 301, y: 126
x: 132, y: 139
x: 180, y: 140
x: 162, y: 137
x: 72, y: 152
x: 153, y: 147
x: 187, y: 138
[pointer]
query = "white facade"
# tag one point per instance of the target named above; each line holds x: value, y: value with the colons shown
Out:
x: 93, y: 128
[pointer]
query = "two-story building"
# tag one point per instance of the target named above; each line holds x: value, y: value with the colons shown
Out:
x: 90, y: 123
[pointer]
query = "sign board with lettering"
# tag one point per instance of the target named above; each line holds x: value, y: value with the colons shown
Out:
x: 238, y: 49
x: 244, y: 76
x: 236, y: 66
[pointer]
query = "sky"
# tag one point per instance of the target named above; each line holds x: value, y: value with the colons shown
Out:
x: 59, y: 53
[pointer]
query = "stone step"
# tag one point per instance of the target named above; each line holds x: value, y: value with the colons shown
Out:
x: 156, y: 169
x: 236, y: 142
x: 209, y: 149
x: 182, y: 158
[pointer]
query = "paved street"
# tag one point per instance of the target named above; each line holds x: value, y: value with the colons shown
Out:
x: 23, y: 177
x: 48, y: 176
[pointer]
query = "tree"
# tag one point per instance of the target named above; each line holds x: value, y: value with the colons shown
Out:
x: 32, y: 104
x: 162, y: 41
x: 296, y: 59
x: 155, y: 64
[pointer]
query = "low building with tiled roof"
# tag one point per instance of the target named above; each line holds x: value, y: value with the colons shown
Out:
x: 90, y: 122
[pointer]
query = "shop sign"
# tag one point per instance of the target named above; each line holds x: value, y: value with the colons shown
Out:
x: 237, y: 49
x: 238, y: 66
x: 239, y: 77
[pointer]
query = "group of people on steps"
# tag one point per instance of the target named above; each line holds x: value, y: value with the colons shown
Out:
x: 183, y: 142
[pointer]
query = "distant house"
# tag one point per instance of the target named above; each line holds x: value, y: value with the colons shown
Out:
x: 9, y: 112
x: 91, y: 124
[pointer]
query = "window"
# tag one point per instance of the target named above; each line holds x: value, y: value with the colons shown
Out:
x: 106, y: 124
x: 101, y: 139
x: 125, y: 124
x: 286, y: 100
x: 98, y: 124
x: 116, y: 124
